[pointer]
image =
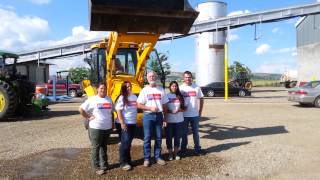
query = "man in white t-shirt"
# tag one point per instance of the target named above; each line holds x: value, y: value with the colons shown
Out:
x: 98, y: 111
x: 193, y: 98
x: 152, y: 100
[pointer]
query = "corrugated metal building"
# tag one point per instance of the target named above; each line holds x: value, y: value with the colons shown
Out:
x: 308, y: 48
x: 35, y: 73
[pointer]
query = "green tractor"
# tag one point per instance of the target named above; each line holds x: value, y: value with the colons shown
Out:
x: 16, y: 91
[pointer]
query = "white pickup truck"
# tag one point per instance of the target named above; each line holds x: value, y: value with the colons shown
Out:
x: 289, y: 78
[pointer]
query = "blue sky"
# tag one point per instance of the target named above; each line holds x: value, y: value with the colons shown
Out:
x: 29, y: 24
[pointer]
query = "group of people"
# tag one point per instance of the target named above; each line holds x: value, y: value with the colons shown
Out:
x: 174, y: 111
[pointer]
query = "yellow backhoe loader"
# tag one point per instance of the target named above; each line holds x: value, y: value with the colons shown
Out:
x: 136, y: 26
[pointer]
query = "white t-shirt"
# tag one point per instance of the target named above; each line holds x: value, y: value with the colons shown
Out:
x: 191, y: 95
x: 153, y: 97
x: 101, y: 109
x: 174, y: 104
x: 129, y: 111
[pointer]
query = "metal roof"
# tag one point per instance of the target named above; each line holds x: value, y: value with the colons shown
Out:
x: 8, y: 54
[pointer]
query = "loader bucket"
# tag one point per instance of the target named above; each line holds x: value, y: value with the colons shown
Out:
x: 156, y: 16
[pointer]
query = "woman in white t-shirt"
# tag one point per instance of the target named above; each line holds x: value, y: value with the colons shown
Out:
x: 174, y: 120
x: 98, y: 110
x: 126, y: 107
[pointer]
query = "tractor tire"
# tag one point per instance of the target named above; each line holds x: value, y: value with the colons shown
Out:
x: 26, y: 90
x: 248, y: 85
x: 8, y: 100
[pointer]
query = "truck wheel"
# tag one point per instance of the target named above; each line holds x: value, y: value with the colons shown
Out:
x: 8, y: 100
x: 292, y: 84
x: 287, y: 84
x: 73, y: 93
x: 79, y: 94
x: 317, y: 102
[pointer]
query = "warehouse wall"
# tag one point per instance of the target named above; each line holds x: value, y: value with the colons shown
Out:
x: 309, y: 62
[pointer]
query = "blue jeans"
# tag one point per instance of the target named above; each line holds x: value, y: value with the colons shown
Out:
x: 126, y: 140
x: 194, y: 123
x: 152, y: 125
x: 174, y: 130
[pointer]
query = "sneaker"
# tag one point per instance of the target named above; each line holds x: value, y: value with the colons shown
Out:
x: 126, y: 167
x: 170, y: 158
x: 161, y: 162
x: 146, y: 163
x: 177, y: 157
x: 100, y: 172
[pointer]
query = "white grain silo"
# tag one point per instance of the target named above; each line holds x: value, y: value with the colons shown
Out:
x: 210, y: 46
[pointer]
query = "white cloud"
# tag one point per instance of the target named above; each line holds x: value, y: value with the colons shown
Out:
x: 66, y: 64
x: 79, y: 33
x: 238, y: 12
x: 234, y: 37
x: 275, y: 30
x: 284, y: 50
x: 262, y: 49
x: 40, y: 2
x: 29, y: 32
x: 18, y: 31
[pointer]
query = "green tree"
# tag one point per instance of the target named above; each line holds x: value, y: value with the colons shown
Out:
x: 78, y: 74
x: 155, y: 66
x: 238, y: 68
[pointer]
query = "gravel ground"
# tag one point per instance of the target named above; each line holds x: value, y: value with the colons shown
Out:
x: 260, y: 137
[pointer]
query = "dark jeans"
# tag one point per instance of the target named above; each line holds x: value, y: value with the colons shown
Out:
x: 174, y: 130
x: 152, y: 125
x: 194, y: 123
x: 99, y: 139
x: 119, y: 130
x: 126, y: 140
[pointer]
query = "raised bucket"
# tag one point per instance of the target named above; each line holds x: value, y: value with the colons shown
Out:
x: 155, y: 16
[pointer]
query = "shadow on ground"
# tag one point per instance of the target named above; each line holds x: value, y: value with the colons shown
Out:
x: 222, y: 132
x: 43, y: 115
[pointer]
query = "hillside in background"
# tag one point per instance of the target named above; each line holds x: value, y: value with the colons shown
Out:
x: 265, y: 76
x: 177, y: 76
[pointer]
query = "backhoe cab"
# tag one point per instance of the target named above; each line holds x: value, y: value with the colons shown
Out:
x: 136, y: 26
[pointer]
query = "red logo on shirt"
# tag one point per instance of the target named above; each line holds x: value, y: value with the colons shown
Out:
x: 132, y: 103
x: 190, y: 94
x: 154, y: 96
x: 104, y: 105
x: 174, y: 100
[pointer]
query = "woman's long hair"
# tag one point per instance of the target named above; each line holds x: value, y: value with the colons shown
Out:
x: 124, y: 92
x: 178, y: 94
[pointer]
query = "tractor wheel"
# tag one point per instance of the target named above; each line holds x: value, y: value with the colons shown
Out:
x: 8, y: 100
x: 26, y: 90
x: 248, y: 85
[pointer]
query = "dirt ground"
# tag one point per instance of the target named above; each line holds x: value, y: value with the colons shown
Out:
x: 258, y: 137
